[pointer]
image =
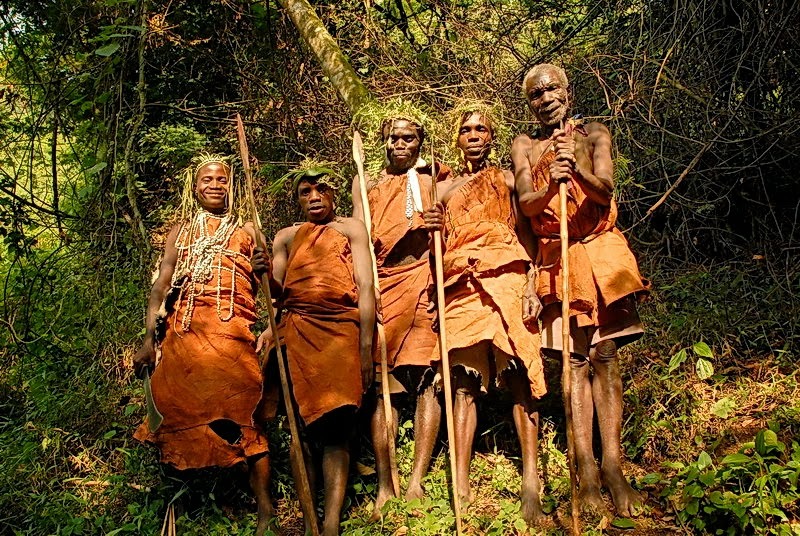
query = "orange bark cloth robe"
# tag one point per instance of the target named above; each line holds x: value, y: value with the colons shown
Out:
x: 208, y: 381
x: 410, y: 340
x: 320, y: 327
x: 602, y: 267
x: 485, y: 278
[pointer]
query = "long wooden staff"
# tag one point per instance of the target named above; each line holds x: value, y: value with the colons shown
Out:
x: 566, y: 380
x: 303, y: 487
x: 445, y: 358
x: 358, y: 157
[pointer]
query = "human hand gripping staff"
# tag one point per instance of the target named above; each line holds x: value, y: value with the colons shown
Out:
x: 303, y: 486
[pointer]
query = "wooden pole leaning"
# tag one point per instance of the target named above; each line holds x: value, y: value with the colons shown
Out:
x: 443, y: 354
x: 303, y: 487
x: 358, y: 157
x: 566, y: 380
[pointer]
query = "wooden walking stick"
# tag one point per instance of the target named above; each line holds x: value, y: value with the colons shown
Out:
x: 566, y: 380
x: 303, y: 487
x: 445, y: 358
x: 358, y: 157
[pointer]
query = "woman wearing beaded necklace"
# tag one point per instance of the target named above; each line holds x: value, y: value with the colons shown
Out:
x: 206, y: 378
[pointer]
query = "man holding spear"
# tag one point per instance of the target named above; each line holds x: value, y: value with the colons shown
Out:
x: 485, y: 293
x: 601, y: 282
x: 396, y: 197
x: 208, y: 381
x: 323, y: 268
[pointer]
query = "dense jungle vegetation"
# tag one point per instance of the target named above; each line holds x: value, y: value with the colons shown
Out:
x: 102, y: 102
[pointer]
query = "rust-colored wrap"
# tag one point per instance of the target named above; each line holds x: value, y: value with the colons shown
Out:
x: 209, y: 376
x: 410, y: 340
x: 320, y: 327
x: 485, y: 274
x: 601, y: 264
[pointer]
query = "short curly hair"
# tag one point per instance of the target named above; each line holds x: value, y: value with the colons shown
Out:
x: 537, y: 70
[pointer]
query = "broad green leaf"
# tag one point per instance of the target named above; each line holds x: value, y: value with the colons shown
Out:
x: 723, y: 407
x: 704, y: 369
x: 676, y: 360
x: 652, y: 478
x: 107, y: 50
x: 623, y: 523
x: 703, y: 350
x: 96, y: 168
x: 735, y: 459
x: 703, y: 460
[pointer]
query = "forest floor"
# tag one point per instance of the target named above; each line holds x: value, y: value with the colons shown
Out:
x: 712, y: 410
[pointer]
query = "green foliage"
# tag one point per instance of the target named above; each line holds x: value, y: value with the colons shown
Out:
x: 751, y: 491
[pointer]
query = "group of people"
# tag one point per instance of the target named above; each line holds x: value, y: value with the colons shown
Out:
x: 501, y: 273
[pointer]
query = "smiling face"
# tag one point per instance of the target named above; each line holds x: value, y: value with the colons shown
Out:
x: 212, y: 184
x: 316, y: 200
x: 547, y: 96
x: 475, y: 139
x: 402, y: 145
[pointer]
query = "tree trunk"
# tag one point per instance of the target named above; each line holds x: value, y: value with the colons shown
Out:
x: 334, y: 64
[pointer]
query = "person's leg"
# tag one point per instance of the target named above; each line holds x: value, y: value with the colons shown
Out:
x: 335, y: 464
x: 259, y: 482
x: 589, y: 495
x: 466, y: 389
x: 607, y: 391
x: 526, y: 420
x: 381, y: 445
x: 427, y: 417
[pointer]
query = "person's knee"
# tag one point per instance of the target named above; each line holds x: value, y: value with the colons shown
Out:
x: 465, y: 383
x: 604, y: 353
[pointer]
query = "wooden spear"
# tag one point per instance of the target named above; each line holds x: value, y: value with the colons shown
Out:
x: 445, y: 358
x: 303, y: 487
x: 566, y: 380
x: 358, y: 157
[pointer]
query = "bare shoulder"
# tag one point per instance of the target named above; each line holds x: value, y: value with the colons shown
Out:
x: 522, y: 142
x: 597, y: 130
x: 285, y: 236
x: 352, y: 228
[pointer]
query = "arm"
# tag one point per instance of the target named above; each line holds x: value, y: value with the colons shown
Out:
x: 592, y: 166
x: 146, y: 356
x: 362, y: 270
x: 598, y: 182
x: 280, y: 257
x: 260, y: 261
x: 531, y: 305
x: 531, y: 202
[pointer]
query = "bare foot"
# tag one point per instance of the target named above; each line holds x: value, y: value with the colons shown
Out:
x: 626, y: 500
x: 414, y: 491
x: 467, y: 498
x: 380, y: 500
x: 591, y: 500
x: 531, y: 509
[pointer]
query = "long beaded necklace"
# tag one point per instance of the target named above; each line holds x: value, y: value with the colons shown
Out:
x: 199, y: 257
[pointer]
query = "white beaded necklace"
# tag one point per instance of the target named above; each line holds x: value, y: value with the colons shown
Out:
x: 199, y: 256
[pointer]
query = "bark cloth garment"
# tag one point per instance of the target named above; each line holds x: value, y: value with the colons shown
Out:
x: 208, y: 382
x: 320, y: 326
x: 485, y: 277
x: 410, y: 340
x: 603, y: 269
